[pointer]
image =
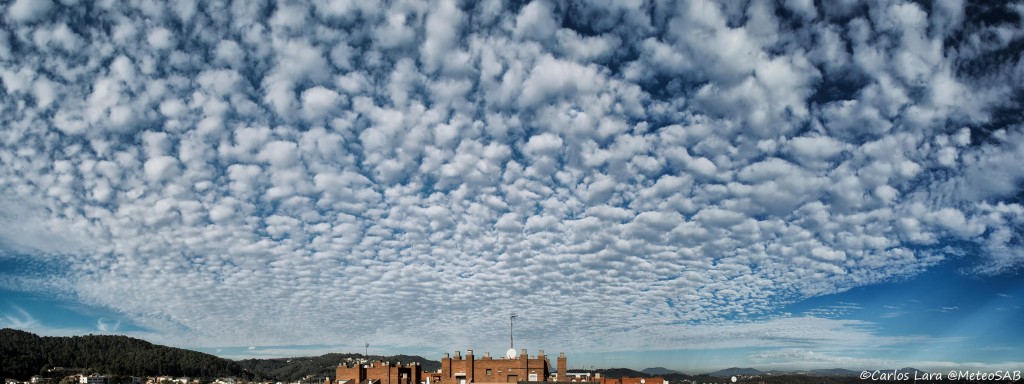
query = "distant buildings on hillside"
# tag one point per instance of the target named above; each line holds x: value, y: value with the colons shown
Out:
x: 632, y: 380
x: 104, y: 379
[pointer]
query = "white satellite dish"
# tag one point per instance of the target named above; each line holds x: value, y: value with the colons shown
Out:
x: 511, y: 353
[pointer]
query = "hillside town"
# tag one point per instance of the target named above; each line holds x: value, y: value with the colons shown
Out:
x: 114, y: 379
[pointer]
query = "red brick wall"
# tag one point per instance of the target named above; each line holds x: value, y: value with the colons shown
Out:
x: 501, y: 369
x: 474, y: 369
x: 386, y: 373
x: 354, y: 373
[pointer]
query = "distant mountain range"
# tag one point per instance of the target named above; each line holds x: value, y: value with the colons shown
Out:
x: 834, y: 372
x: 655, y: 371
x: 615, y: 373
x: 911, y: 371
x: 736, y: 371
x: 729, y: 372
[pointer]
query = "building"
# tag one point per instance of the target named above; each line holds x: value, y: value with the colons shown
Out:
x: 378, y: 373
x: 576, y: 376
x: 510, y: 369
x: 633, y: 380
x: 459, y: 370
x: 93, y: 379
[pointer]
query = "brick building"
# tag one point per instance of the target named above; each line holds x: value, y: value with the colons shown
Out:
x: 378, y: 373
x: 459, y: 370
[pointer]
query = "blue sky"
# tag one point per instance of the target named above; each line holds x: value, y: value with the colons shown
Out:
x: 695, y: 185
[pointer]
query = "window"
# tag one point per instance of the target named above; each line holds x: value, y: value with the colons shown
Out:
x: 488, y: 372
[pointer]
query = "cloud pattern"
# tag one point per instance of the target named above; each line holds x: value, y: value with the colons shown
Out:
x: 626, y: 172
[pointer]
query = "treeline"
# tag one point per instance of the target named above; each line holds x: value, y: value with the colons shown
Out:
x: 615, y: 373
x: 299, y: 368
x: 23, y: 354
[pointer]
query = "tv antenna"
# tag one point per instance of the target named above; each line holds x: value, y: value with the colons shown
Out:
x: 511, y: 341
x: 511, y: 353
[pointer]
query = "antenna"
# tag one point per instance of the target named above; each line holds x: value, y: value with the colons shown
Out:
x: 511, y: 341
x: 511, y: 351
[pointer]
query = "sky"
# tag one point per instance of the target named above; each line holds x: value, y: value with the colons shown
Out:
x: 690, y: 184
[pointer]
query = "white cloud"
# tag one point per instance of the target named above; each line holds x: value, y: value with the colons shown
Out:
x: 552, y: 78
x: 394, y: 32
x: 29, y: 10
x: 645, y: 163
x: 229, y: 52
x: 19, y: 318
x: 546, y: 144
x: 318, y: 102
x: 441, y: 31
x: 161, y: 168
x: 816, y: 148
x: 536, y: 21
x: 160, y: 38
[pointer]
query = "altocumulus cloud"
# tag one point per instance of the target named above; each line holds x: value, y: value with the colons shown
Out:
x: 257, y: 173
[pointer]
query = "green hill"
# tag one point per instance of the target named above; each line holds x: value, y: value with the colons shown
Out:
x: 23, y: 354
x: 615, y: 373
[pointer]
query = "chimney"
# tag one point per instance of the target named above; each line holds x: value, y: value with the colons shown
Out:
x: 446, y: 366
x: 561, y: 367
x: 470, y: 365
x: 487, y: 355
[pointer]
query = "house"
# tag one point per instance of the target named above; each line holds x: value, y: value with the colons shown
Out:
x: 382, y: 372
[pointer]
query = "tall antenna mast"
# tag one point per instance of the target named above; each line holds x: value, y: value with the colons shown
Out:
x: 511, y: 341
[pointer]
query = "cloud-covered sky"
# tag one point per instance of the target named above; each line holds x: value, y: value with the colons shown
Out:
x: 690, y: 184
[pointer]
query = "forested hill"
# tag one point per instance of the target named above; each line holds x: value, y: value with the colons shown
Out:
x: 23, y: 354
x: 298, y: 368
